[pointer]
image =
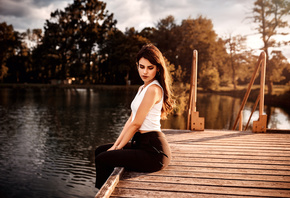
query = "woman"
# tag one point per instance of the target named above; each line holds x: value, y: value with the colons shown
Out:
x: 148, y: 150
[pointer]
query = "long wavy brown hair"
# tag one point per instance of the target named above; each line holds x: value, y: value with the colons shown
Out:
x: 155, y: 57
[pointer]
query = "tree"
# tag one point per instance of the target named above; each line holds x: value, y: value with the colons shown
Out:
x: 31, y: 39
x: 236, y: 46
x: 277, y: 63
x: 118, y: 57
x: 209, y: 79
x: 72, y: 37
x: 269, y: 15
x: 198, y: 34
x: 178, y: 41
x: 19, y: 65
x: 10, y: 43
x: 165, y: 37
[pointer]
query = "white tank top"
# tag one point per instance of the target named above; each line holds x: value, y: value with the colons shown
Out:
x: 152, y: 120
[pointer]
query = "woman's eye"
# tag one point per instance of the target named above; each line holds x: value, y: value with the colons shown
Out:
x: 151, y: 68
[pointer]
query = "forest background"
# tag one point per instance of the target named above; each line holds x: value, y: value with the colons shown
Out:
x: 83, y: 44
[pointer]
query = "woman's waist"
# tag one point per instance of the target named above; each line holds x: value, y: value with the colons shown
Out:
x: 149, y: 134
x: 150, y: 138
x: 150, y: 131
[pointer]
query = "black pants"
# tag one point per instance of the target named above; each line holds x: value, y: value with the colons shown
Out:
x: 147, y: 152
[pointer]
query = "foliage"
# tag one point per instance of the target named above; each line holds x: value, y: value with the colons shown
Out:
x: 225, y: 81
x: 209, y: 79
x: 82, y: 41
x: 166, y: 37
x: 177, y: 42
x: 3, y: 72
x: 71, y: 39
x: 10, y: 43
x: 117, y: 56
x: 237, y: 57
x: 277, y: 63
x: 269, y: 16
x: 14, y: 55
x: 199, y: 34
x: 179, y: 88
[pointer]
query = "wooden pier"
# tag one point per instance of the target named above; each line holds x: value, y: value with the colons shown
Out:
x: 214, y: 163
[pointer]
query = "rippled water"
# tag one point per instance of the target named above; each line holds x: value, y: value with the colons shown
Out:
x: 48, y: 139
x: 48, y: 136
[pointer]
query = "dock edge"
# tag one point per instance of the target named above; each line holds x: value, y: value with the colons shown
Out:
x: 111, y: 183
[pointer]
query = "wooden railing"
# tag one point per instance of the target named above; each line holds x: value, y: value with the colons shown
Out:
x: 261, y: 124
x: 194, y: 122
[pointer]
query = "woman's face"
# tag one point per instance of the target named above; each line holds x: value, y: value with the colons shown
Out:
x: 147, y: 71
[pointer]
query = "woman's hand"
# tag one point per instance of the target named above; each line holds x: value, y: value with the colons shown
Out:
x: 112, y: 148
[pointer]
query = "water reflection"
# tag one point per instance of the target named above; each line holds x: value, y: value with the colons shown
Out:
x: 221, y: 111
x: 48, y: 136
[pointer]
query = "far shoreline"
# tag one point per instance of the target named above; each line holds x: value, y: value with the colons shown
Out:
x: 277, y: 100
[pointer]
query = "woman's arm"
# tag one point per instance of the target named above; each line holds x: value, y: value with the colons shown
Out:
x: 152, y: 95
x: 122, y: 133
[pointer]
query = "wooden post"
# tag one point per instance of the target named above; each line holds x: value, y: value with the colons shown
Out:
x: 194, y: 122
x: 258, y: 126
x: 254, y: 107
x: 241, y: 121
x: 261, y: 124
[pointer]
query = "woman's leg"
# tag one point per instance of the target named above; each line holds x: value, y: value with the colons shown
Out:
x: 99, y: 175
x: 103, y: 172
x: 130, y: 159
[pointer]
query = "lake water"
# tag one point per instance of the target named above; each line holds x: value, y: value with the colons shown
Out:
x: 48, y: 136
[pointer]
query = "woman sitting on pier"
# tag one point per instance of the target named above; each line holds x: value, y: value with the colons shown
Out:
x: 148, y: 150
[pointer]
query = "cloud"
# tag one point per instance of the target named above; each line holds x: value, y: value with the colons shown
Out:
x: 130, y: 13
x: 13, y: 8
x: 228, y: 16
x: 140, y: 13
x: 24, y: 14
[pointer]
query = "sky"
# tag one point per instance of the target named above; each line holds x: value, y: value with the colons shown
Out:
x: 228, y: 16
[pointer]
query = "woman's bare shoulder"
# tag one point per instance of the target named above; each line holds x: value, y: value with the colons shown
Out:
x: 154, y: 90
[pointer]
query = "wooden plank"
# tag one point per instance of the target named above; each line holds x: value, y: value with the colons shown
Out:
x: 217, y: 163
x: 257, y: 148
x: 249, y: 153
x: 219, y: 190
x: 110, y: 184
x: 207, y: 181
x: 140, y: 193
x: 229, y: 175
x: 238, y: 143
x: 231, y: 165
x: 227, y: 170
x: 232, y: 159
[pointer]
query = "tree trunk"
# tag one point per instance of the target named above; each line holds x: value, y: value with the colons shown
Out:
x: 270, y: 87
x: 234, y: 78
x: 234, y: 72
